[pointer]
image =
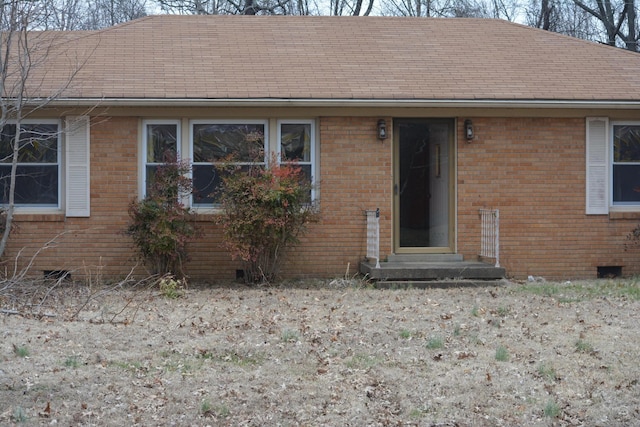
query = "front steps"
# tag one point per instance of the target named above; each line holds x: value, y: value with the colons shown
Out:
x: 431, y: 268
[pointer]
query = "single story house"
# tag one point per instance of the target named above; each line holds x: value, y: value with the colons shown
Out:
x: 427, y: 120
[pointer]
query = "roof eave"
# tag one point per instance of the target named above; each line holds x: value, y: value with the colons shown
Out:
x: 368, y: 103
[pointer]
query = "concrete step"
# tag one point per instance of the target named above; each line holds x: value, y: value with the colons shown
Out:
x: 438, y: 284
x: 424, y: 258
x: 432, y: 270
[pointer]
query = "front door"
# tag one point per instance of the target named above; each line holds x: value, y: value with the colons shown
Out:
x: 423, y: 185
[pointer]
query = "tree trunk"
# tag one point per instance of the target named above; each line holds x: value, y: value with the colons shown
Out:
x: 632, y: 31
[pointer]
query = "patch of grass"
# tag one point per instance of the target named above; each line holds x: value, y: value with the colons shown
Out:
x: 551, y: 409
x: 547, y: 290
x: 361, y: 361
x: 246, y: 360
x: 503, y: 311
x: 289, y: 336
x: 19, y: 416
x: 457, y: 330
x: 222, y: 411
x: 405, y: 334
x: 584, y: 347
x: 475, y: 311
x: 568, y: 300
x: 128, y: 366
x: 419, y: 412
x: 233, y: 357
x: 502, y: 354
x: 547, y: 372
x: 71, y: 362
x: 181, y: 366
x: 626, y: 288
x: 569, y: 292
x: 476, y: 340
x: 435, y: 343
x: 20, y: 350
x: 205, y: 408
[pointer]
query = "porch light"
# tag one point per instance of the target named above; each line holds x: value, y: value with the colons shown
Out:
x: 382, y: 129
x: 468, y: 129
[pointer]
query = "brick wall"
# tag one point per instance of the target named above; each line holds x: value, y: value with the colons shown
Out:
x: 86, y: 246
x: 355, y: 175
x: 533, y: 170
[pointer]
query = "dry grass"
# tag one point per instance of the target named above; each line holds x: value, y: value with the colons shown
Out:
x: 313, y: 353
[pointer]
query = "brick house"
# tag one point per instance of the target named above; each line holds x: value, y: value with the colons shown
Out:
x: 553, y: 143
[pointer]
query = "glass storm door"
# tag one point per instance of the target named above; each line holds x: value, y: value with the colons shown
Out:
x: 422, y: 185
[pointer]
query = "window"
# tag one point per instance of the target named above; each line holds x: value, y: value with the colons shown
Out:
x: 241, y: 143
x: 38, y: 170
x: 626, y: 163
x: 297, y: 146
x: 162, y: 145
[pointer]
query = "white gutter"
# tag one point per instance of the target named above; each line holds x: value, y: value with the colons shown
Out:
x: 311, y: 102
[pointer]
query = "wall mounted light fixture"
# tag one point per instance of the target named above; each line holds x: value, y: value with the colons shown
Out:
x: 468, y: 129
x: 382, y: 129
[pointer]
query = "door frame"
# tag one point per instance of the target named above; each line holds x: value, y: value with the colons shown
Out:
x: 452, y: 162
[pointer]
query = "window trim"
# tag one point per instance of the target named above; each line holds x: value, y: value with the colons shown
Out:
x: 613, y: 205
x: 599, y: 168
x: 202, y: 208
x: 312, y: 148
x: 143, y: 156
x: 60, y: 153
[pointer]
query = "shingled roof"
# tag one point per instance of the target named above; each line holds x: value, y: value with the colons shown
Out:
x: 339, y: 59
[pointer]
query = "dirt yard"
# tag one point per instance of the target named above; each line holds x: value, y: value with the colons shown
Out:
x: 323, y: 353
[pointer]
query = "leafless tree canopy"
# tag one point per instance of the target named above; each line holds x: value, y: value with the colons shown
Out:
x: 75, y: 14
x: 613, y: 22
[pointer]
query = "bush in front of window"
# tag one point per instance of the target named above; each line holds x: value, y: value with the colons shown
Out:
x: 161, y: 225
x: 264, y: 212
x: 633, y: 238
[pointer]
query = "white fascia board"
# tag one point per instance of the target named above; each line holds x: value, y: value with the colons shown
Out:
x: 311, y: 102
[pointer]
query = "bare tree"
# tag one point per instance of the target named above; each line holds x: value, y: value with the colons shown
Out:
x: 15, y: 65
x: 350, y: 7
x: 64, y: 15
x: 22, y: 53
x: 69, y: 15
x: 446, y: 8
x: 562, y: 16
x: 613, y: 16
x: 612, y: 22
x: 106, y: 13
x: 235, y: 7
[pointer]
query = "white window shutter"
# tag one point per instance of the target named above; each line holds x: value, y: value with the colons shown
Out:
x: 597, y: 166
x: 77, y: 178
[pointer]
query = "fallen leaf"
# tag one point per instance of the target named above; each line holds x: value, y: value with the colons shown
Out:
x: 46, y: 413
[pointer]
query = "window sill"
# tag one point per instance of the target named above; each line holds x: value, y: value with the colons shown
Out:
x: 206, y: 214
x: 38, y: 217
x: 628, y: 212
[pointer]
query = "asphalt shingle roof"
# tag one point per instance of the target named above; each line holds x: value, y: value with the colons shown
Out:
x: 339, y: 58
